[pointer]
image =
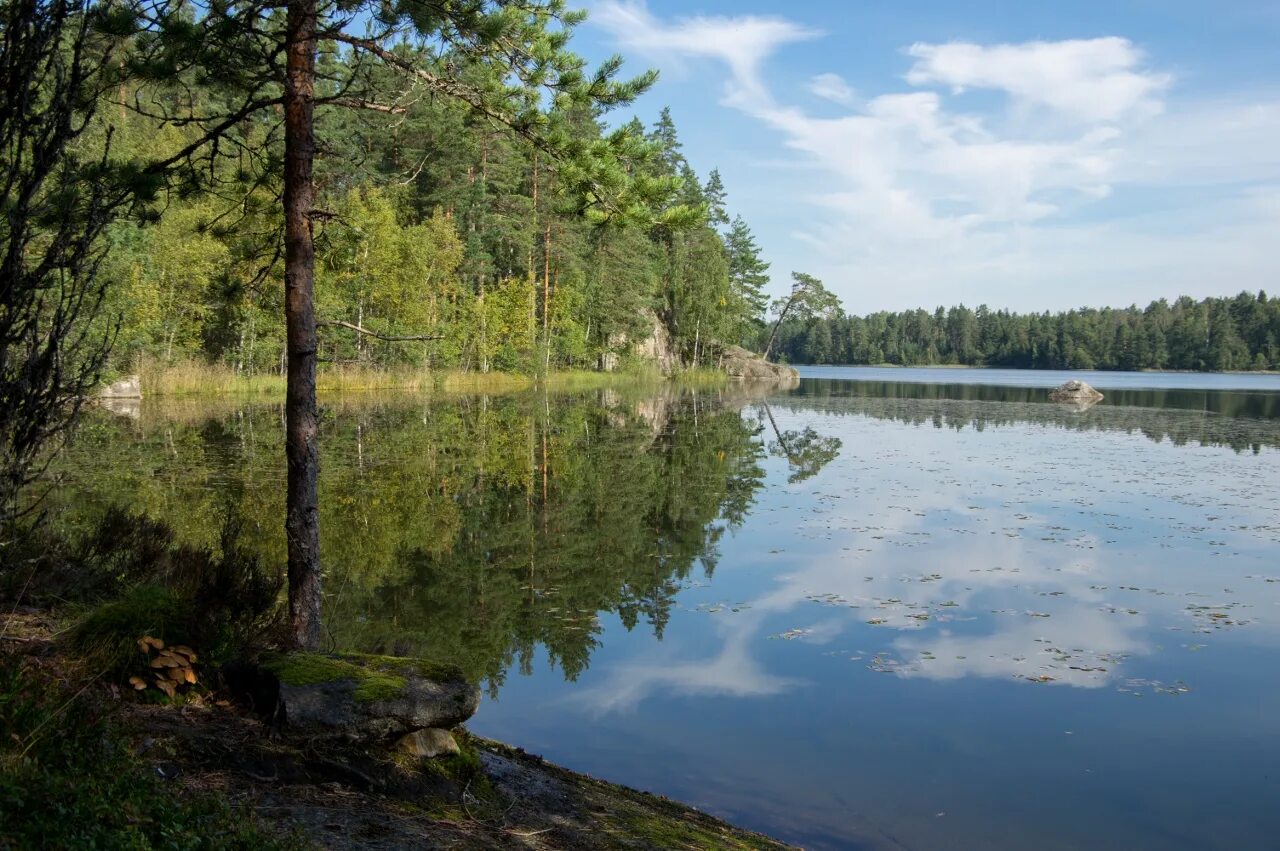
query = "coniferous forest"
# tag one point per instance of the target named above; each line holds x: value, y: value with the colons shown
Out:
x: 453, y: 241
x: 1238, y: 333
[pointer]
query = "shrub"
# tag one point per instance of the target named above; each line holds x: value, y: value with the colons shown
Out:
x: 107, y: 637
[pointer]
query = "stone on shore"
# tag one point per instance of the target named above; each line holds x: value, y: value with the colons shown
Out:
x: 739, y: 363
x: 1076, y: 391
x: 129, y: 387
x: 429, y: 743
x: 369, y: 698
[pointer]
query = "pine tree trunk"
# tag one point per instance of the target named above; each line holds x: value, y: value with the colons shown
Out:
x: 302, y: 515
x: 546, y: 300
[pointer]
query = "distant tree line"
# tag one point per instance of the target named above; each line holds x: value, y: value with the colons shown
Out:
x: 1229, y: 333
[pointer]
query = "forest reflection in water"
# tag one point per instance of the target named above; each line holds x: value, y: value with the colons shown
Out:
x: 775, y: 603
x: 470, y: 528
x: 1242, y: 420
x: 480, y: 528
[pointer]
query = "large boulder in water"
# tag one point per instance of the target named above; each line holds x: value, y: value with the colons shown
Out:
x: 1076, y: 392
x: 367, y: 698
x: 739, y: 363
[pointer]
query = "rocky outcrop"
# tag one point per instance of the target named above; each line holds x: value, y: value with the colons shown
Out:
x: 129, y: 387
x: 658, y: 349
x: 1077, y: 393
x: 368, y: 698
x: 655, y: 347
x: 739, y: 363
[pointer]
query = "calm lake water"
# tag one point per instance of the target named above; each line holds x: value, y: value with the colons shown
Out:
x: 877, y: 613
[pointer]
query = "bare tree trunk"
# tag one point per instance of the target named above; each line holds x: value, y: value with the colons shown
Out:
x: 302, y: 516
x: 776, y: 325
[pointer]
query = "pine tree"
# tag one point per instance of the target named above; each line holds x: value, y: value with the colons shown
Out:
x: 748, y: 275
x: 714, y: 193
x: 241, y: 46
x: 666, y: 139
x: 808, y: 299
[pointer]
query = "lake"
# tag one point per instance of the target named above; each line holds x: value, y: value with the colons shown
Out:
x: 887, y: 609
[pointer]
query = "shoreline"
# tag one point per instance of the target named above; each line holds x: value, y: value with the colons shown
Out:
x: 328, y: 794
x: 967, y: 366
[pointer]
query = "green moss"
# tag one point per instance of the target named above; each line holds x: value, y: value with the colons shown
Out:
x: 465, y: 771
x: 373, y: 682
x: 376, y: 677
x: 108, y: 634
x: 684, y: 830
x: 439, y: 671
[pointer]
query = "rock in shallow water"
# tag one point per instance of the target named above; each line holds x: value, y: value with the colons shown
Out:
x: 1075, y: 391
x: 739, y: 363
x: 369, y: 698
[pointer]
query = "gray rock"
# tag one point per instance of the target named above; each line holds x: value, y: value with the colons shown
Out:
x: 369, y: 698
x: 429, y: 743
x: 129, y: 387
x: 739, y: 363
x: 1077, y: 392
x: 655, y: 348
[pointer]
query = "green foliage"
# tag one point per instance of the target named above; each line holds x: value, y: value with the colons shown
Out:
x: 470, y: 525
x: 68, y: 780
x: 808, y: 300
x: 748, y: 277
x: 487, y: 205
x: 1229, y: 333
x: 108, y: 635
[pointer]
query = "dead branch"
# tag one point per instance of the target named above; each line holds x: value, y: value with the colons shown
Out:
x: 338, y: 323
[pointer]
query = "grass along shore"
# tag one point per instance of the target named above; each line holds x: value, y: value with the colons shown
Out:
x: 198, y: 379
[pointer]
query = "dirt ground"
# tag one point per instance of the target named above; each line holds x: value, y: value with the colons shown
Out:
x: 334, y: 795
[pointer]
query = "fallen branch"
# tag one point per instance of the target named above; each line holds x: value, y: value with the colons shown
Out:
x: 390, y: 338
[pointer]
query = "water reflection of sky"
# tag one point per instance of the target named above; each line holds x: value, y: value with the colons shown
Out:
x: 1021, y: 636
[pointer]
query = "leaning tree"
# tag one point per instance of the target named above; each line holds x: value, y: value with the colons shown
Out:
x: 808, y: 299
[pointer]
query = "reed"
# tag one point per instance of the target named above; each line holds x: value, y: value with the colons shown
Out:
x: 191, y: 379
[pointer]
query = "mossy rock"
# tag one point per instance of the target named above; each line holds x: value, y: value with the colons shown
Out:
x: 368, y: 697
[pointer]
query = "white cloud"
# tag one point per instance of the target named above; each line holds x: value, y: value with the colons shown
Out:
x: 1099, y: 79
x: 740, y: 42
x: 832, y: 87
x: 732, y: 672
x: 926, y: 196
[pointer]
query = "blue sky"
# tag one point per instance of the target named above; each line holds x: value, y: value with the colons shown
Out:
x: 1036, y: 156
